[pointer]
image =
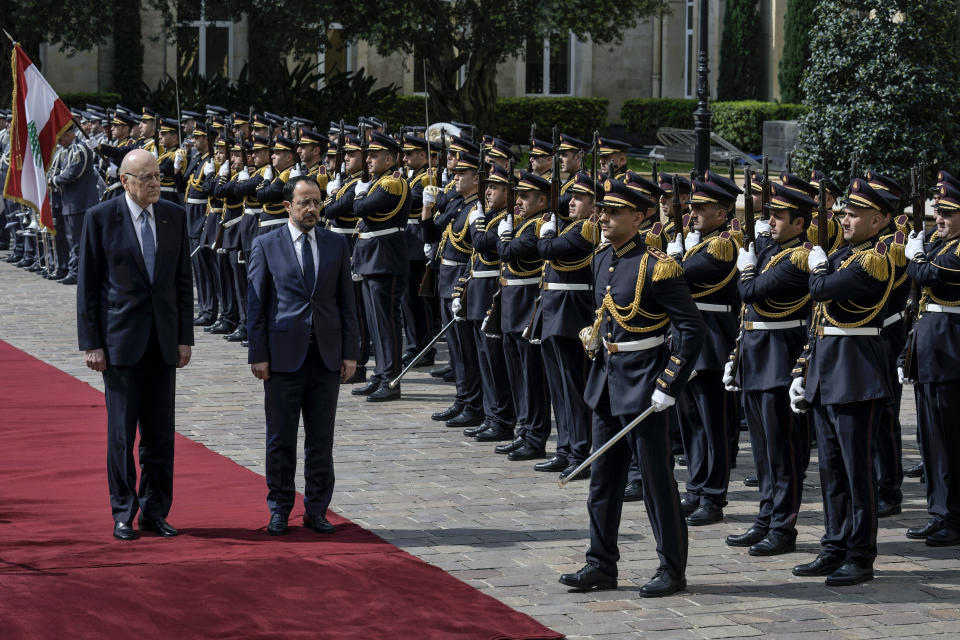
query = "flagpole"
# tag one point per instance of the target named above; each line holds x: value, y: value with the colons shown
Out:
x: 6, y: 33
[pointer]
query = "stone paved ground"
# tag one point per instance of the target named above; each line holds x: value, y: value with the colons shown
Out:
x: 510, y: 531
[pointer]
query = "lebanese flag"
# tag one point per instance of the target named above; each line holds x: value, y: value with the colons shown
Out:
x: 40, y: 117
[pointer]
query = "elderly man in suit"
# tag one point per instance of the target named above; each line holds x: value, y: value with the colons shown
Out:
x: 77, y: 181
x: 135, y: 325
x: 304, y: 340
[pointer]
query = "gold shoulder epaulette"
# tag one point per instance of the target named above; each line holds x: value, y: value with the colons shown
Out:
x: 590, y: 231
x: 799, y: 257
x: 723, y: 247
x: 285, y: 175
x: 666, y: 267
x: 393, y: 186
x: 875, y: 261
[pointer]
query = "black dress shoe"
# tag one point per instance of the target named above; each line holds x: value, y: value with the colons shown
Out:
x: 472, y: 432
x: 946, y: 537
x: 588, y: 579
x: 450, y: 412
x: 706, y: 513
x: 583, y: 475
x: 123, y: 531
x: 752, y: 536
x: 203, y: 321
x: 555, y: 463
x: 428, y: 360
x: 278, y: 524
x: 359, y: 375
x: 919, y: 533
x: 70, y: 279
x: 223, y: 328
x: 681, y: 461
x: 886, y: 509
x: 36, y: 267
x: 511, y: 446
x: 751, y: 481
x: 13, y: 258
x: 441, y: 371
x: 465, y: 419
x: 914, y: 471
x: 689, y: 504
x: 497, y: 434
x: 633, y: 492
x: 449, y: 376
x: 525, y: 451
x: 662, y: 584
x: 823, y: 565
x: 384, y: 394
x: 372, y: 385
x: 158, y: 525
x: 774, y: 544
x: 23, y: 263
x: 849, y: 573
x: 217, y: 324
x: 239, y: 335
x: 318, y: 523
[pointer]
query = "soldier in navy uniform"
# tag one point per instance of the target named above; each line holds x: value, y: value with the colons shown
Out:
x: 666, y: 199
x: 935, y: 266
x: 382, y: 205
x: 843, y: 376
x: 709, y: 258
x: 523, y: 270
x: 172, y: 161
x: 566, y: 306
x: 123, y: 144
x: 541, y: 158
x: 198, y: 170
x: 77, y: 182
x: 774, y: 286
x: 614, y: 151
x: 570, y: 150
x: 639, y: 292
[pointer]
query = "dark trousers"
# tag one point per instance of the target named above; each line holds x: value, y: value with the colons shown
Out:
x: 707, y: 441
x: 779, y: 440
x: 73, y: 227
x: 140, y: 395
x: 362, y: 324
x: 311, y: 391
x: 239, y: 285
x: 464, y: 360
x: 937, y: 414
x: 60, y: 244
x: 228, y: 291
x: 650, y: 442
x: 205, y: 274
x: 566, y: 367
x: 529, y: 386
x: 845, y: 437
x: 416, y: 314
x: 497, y: 400
x: 381, y: 299
x: 888, y: 448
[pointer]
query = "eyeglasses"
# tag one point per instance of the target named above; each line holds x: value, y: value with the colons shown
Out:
x: 147, y: 177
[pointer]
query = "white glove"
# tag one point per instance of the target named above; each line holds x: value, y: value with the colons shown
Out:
x: 816, y: 258
x: 914, y: 245
x: 244, y: 174
x: 761, y: 227
x: 224, y: 170
x: 475, y: 214
x: 691, y: 240
x: 796, y: 393
x: 208, y: 168
x: 112, y: 170
x: 428, y: 251
x: 661, y: 401
x: 456, y: 306
x: 675, y: 248
x: 268, y: 173
x: 902, y: 377
x: 505, y: 228
x: 747, y: 258
x: 92, y: 143
x: 728, y: 378
x: 333, y: 186
x: 549, y: 228
x: 361, y: 188
x: 430, y: 193
x: 295, y: 172
x: 445, y: 177
x: 177, y: 161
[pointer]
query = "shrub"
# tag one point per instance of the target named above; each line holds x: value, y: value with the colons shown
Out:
x: 643, y: 116
x: 78, y: 99
x: 579, y: 117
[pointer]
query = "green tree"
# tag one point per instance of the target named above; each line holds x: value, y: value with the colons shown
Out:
x: 882, y: 83
x: 740, y: 76
x: 798, y: 27
x: 127, y: 72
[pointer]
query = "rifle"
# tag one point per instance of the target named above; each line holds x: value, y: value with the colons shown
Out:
x: 733, y: 171
x: 823, y: 230
x: 854, y: 165
x: 555, y: 174
x: 491, y: 326
x: 676, y: 211
x: 364, y: 171
x: 339, y: 157
x: 765, y: 189
x: 789, y: 161
x: 442, y: 159
x: 610, y: 170
x: 593, y: 174
x: 533, y: 135
x: 654, y: 172
x: 749, y: 219
x: 400, y: 166
x: 919, y: 197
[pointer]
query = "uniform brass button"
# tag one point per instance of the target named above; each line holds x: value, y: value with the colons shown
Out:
x: 611, y: 269
x: 609, y: 335
x: 608, y: 287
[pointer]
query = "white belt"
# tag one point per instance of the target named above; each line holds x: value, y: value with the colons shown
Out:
x: 168, y: 189
x: 366, y: 235
x: 196, y: 201
x: 115, y: 185
x: 773, y: 326
x: 452, y: 263
x: 889, y: 321
x: 519, y: 281
x: 854, y: 331
x: 635, y: 345
x: 565, y: 286
x: 232, y: 221
x: 247, y: 211
x: 413, y: 221
x: 486, y: 274
x: 270, y: 223
x: 720, y: 308
x: 347, y: 231
x: 939, y: 308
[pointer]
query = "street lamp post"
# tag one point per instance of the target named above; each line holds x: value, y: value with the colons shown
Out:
x: 702, y: 115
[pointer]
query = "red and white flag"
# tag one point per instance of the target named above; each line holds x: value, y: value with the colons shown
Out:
x: 39, y: 119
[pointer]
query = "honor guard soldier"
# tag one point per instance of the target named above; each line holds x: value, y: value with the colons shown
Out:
x: 122, y: 145
x: 614, y: 151
x: 147, y: 138
x: 523, y: 270
x: 639, y: 292
x: 500, y: 153
x: 311, y: 148
x: 172, y: 162
x: 211, y: 228
x: 541, y: 158
x: 500, y: 416
x: 382, y: 204
x: 232, y: 186
x: 654, y: 231
x: 570, y: 151
x: 77, y: 182
x: 283, y: 157
x: 843, y: 376
x: 666, y: 200
x: 931, y: 363
x: 834, y: 232
x: 566, y: 306
x: 774, y: 287
x: 450, y: 228
x: 242, y: 127
x: 199, y: 168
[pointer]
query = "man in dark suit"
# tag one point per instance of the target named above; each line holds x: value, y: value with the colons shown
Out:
x: 135, y: 324
x: 303, y: 341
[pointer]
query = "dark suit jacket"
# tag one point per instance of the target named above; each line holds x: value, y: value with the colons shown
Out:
x: 116, y: 303
x: 279, y: 306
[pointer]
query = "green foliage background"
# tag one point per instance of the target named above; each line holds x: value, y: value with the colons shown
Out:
x: 740, y: 76
x: 798, y: 27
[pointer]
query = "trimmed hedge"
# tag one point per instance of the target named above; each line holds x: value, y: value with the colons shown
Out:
x: 740, y: 122
x: 77, y: 99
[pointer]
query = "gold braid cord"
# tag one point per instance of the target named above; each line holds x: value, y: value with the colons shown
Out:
x: 876, y: 266
x: 623, y: 315
x: 588, y: 229
x: 797, y: 256
x: 928, y: 291
x: 520, y: 271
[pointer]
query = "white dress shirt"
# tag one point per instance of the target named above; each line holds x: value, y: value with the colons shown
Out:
x: 135, y: 210
x: 297, y: 236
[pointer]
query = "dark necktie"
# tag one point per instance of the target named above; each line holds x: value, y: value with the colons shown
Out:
x: 308, y: 268
x: 149, y: 244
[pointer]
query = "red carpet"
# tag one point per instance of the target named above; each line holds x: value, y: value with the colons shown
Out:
x: 63, y: 575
